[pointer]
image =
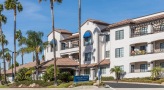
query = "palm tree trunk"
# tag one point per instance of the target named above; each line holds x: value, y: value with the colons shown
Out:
x: 14, y: 42
x: 22, y: 59
x: 37, y: 66
x: 33, y: 57
x: 3, y: 53
x: 79, y: 37
x: 54, y: 49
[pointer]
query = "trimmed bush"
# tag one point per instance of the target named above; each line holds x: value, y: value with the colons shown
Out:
x: 110, y: 78
x: 27, y: 83
x: 65, y: 77
x: 90, y: 83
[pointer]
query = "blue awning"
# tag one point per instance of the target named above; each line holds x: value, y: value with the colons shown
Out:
x: 52, y: 41
x: 87, y: 34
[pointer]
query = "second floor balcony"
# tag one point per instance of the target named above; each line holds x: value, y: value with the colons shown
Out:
x: 147, y: 48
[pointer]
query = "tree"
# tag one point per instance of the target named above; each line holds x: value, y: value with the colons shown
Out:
x: 49, y: 74
x: 21, y: 41
x: 14, y: 5
x: 155, y: 72
x: 3, y: 41
x: 21, y: 75
x: 8, y: 58
x: 117, y: 70
x: 12, y: 66
x: 34, y: 43
x: 53, y: 32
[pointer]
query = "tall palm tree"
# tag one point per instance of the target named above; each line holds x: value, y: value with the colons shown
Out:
x: 53, y: 32
x: 3, y: 20
x: 14, y: 5
x: 34, y: 43
x: 117, y: 70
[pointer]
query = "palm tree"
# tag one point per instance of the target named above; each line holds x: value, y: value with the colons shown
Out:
x: 21, y: 41
x: 8, y: 59
x: 14, y: 5
x: 22, y: 51
x: 117, y: 70
x: 155, y: 72
x: 3, y: 19
x: 34, y: 43
x: 53, y: 31
x: 3, y: 42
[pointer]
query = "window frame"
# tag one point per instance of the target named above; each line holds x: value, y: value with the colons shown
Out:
x: 87, y: 71
x: 90, y: 58
x: 119, y: 52
x: 103, y: 70
x: 119, y: 35
x: 107, y: 55
x: 107, y: 38
x: 145, y: 69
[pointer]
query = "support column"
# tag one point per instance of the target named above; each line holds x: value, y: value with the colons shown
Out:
x: 150, y: 29
x: 150, y: 67
x: 92, y: 74
x: 150, y: 47
x: 70, y: 44
x: 77, y: 72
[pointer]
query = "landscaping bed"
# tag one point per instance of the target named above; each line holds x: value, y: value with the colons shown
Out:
x: 139, y: 80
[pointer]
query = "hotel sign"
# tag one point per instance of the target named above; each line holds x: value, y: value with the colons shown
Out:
x: 81, y: 78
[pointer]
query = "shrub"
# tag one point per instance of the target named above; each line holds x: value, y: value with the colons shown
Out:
x: 49, y: 74
x: 59, y: 81
x: 27, y: 83
x: 110, y: 78
x: 84, y: 83
x: 21, y: 74
x: 64, y: 85
x: 65, y: 76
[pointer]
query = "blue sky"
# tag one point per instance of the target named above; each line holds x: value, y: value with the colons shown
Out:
x: 37, y: 16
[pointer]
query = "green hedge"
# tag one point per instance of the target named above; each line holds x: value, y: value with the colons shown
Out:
x: 84, y: 84
x: 143, y: 80
x: 27, y: 83
x: 110, y: 78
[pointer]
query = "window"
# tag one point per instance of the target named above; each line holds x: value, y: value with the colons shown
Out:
x: 87, y: 41
x: 107, y: 54
x: 103, y: 70
x: 143, y: 68
x: 87, y: 71
x: 143, y: 30
x: 162, y: 46
x: 119, y: 52
x: 88, y: 56
x: 162, y: 65
x: 132, y: 68
x: 107, y: 38
x: 87, y: 38
x: 120, y: 35
x: 143, y: 48
x: 162, y: 27
x: 122, y: 67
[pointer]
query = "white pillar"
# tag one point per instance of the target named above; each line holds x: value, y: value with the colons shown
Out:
x: 150, y: 66
x: 150, y: 29
x: 77, y: 72
x: 70, y: 44
x: 92, y: 73
x: 149, y: 47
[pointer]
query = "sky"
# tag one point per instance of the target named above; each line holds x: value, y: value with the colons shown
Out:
x: 37, y: 16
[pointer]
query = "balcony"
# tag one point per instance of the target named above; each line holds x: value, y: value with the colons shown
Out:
x: 145, y: 29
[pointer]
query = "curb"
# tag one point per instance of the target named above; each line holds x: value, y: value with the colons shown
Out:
x: 134, y: 83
